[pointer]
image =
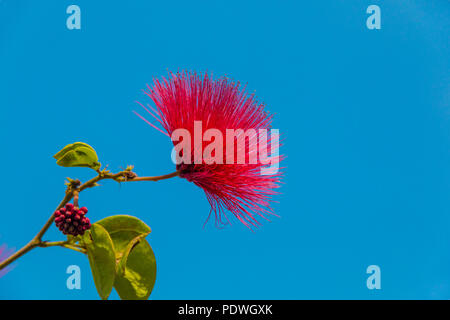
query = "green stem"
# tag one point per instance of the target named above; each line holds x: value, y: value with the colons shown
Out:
x: 64, y: 244
x: 68, y: 246
x: 73, y: 190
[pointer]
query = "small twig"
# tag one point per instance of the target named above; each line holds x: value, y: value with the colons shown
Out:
x: 68, y: 246
x: 157, y: 178
x: 64, y: 244
x: 76, y: 196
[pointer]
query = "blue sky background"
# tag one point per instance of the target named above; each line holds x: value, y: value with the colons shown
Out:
x: 365, y: 116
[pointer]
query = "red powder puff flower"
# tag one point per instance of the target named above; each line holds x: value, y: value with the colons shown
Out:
x: 197, y: 103
x: 4, y: 253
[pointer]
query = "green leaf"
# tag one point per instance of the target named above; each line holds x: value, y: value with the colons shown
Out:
x: 100, y: 251
x: 136, y: 274
x: 123, y: 229
x: 77, y: 154
x: 136, y: 264
x: 121, y: 265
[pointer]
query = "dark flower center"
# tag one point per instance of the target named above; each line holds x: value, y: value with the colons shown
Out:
x: 185, y: 170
